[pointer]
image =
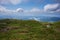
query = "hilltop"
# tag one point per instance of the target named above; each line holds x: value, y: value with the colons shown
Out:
x: 12, y: 29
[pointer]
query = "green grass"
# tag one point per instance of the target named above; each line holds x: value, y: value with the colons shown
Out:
x: 28, y: 30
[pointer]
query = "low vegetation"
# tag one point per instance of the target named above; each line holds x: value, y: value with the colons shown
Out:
x: 12, y: 29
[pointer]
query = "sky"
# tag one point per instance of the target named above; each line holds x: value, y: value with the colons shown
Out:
x: 17, y: 8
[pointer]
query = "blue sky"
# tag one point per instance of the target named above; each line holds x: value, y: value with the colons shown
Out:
x: 29, y: 4
x: 29, y: 8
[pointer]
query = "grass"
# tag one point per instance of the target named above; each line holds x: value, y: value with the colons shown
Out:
x: 12, y: 29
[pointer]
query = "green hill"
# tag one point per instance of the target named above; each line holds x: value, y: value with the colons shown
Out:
x: 12, y: 29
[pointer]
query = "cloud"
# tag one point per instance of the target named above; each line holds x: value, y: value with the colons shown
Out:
x: 58, y: 10
x: 20, y: 10
x: 35, y: 10
x: 4, y: 1
x: 51, y: 7
x: 25, y: 1
x: 14, y: 2
x: 2, y: 9
x: 34, y: 18
x: 5, y: 10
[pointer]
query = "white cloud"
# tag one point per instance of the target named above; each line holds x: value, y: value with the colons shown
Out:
x: 34, y: 18
x: 14, y: 2
x: 4, y: 1
x: 20, y: 10
x: 5, y: 10
x: 51, y: 7
x: 47, y: 9
x: 2, y: 9
x: 35, y: 10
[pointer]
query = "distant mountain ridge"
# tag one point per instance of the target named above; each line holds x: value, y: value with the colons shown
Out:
x: 37, y: 18
x: 42, y: 18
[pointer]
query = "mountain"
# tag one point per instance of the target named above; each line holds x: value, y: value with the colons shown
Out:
x: 37, y: 18
x: 41, y: 18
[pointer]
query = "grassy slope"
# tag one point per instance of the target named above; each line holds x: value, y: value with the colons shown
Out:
x: 28, y: 30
